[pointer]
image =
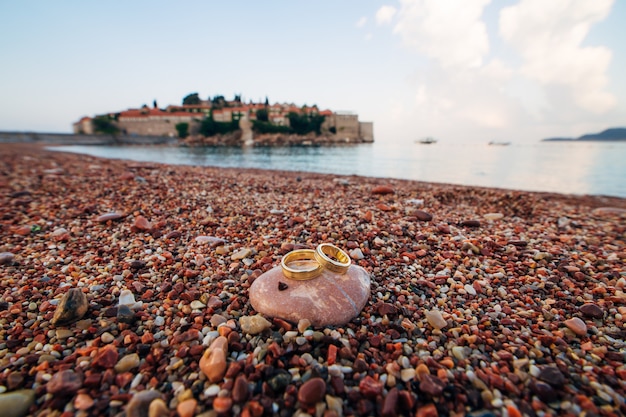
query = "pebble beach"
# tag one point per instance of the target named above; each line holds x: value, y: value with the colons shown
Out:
x: 124, y: 291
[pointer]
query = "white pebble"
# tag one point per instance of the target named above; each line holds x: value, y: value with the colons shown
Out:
x: 335, y: 370
x: 497, y: 403
x: 458, y: 352
x: 534, y: 371
x: 136, y: 381
x: 407, y: 374
x: 303, y: 324
x: 288, y: 336
x: 212, y: 390
x: 107, y: 337
x: 356, y: 254
x: 470, y: 289
x: 435, y: 319
x: 126, y: 298
x: 404, y: 362
x: 197, y: 305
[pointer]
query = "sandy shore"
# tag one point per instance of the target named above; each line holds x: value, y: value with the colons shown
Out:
x: 469, y: 314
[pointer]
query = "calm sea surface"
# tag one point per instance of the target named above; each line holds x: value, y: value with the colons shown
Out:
x: 572, y: 168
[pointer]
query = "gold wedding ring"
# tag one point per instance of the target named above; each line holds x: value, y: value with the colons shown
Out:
x: 301, y: 265
x: 332, y: 258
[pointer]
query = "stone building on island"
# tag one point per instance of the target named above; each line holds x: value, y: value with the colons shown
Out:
x: 337, y: 127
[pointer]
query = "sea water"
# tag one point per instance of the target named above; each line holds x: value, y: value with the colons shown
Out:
x: 597, y: 168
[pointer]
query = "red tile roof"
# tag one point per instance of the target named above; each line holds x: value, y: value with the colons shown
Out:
x: 152, y: 112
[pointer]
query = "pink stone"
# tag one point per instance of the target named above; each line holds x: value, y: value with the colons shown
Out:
x: 213, y: 361
x: 609, y: 211
x: 64, y: 382
x: 211, y: 240
x: 329, y: 299
x: 214, y: 302
x: 141, y: 224
x: 83, y: 402
x: 187, y: 408
x: 6, y: 258
x: 577, y: 326
x: 115, y: 215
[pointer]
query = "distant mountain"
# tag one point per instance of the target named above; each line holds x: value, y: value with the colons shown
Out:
x: 609, y: 135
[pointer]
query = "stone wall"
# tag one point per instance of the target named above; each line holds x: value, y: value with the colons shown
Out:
x: 156, y: 126
x: 366, y: 131
x: 347, y: 126
x: 148, y: 127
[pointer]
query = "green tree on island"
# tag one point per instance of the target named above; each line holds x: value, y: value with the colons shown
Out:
x: 183, y: 130
x: 209, y: 127
x: 104, y: 125
x: 262, y: 115
x: 301, y: 124
x: 191, y: 99
x: 218, y: 102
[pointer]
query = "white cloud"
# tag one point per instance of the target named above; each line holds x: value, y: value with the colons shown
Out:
x: 449, y: 31
x: 541, y: 79
x: 549, y: 36
x: 385, y: 14
x: 361, y: 22
x: 498, y: 70
x: 456, y: 101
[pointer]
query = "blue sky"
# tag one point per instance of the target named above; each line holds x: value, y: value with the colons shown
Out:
x: 458, y: 70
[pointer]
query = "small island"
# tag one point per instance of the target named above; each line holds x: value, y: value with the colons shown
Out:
x: 217, y: 121
x: 609, y: 135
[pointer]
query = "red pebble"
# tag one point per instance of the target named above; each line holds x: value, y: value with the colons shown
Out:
x: 312, y: 391
x: 382, y: 190
x: 390, y: 403
x: 23, y: 231
x: 513, y: 411
x: 332, y: 354
x: 369, y: 387
x: 127, y: 176
x: 106, y: 357
x: 222, y: 404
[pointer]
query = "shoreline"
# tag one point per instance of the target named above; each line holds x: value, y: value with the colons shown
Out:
x: 533, y: 300
x: 232, y: 139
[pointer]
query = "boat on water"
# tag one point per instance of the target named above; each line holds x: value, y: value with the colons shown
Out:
x: 427, y: 141
x: 496, y: 143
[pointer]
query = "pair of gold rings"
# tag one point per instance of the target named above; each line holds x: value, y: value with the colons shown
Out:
x: 305, y: 264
